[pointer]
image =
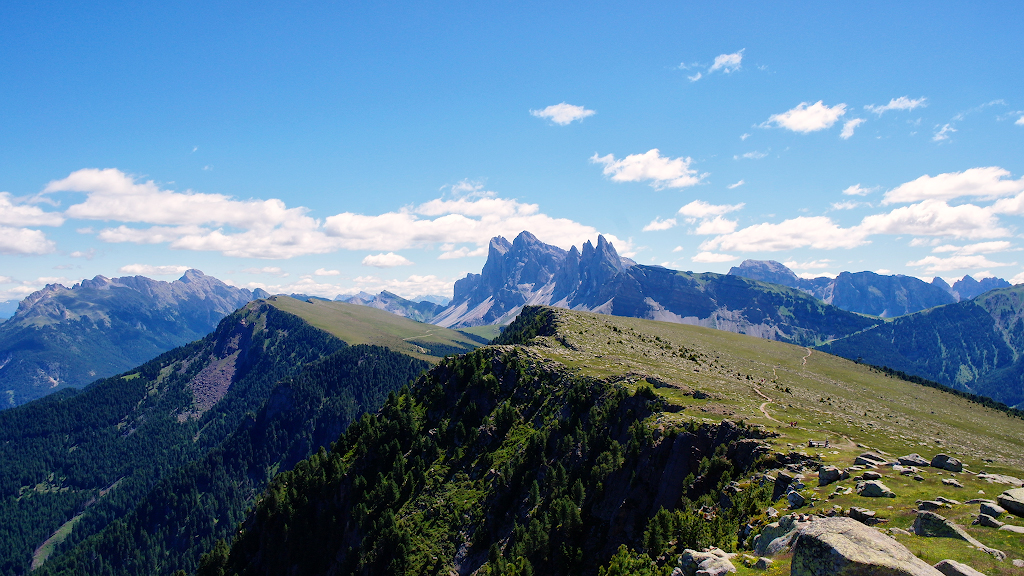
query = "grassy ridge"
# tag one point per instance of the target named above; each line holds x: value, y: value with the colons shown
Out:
x: 364, y: 325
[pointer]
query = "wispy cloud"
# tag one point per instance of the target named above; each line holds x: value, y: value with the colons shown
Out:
x: 806, y: 118
x: 943, y: 132
x: 725, y: 63
x: 849, y: 126
x: 661, y: 171
x: 858, y: 190
x: 986, y: 183
x: 702, y: 209
x: 389, y: 260
x: 712, y: 258
x: 901, y: 103
x: 736, y: 185
x: 150, y: 270
x: 752, y: 155
x: 326, y: 272
x: 563, y: 114
x: 659, y: 224
x: 935, y: 264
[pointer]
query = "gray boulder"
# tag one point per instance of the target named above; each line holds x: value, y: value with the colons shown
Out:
x: 947, y: 462
x: 954, y: 568
x: 796, y: 500
x: 830, y: 474
x: 763, y: 563
x: 782, y: 482
x: 874, y: 489
x: 863, y: 515
x: 842, y: 546
x: 872, y: 475
x: 988, y: 521
x: 1013, y: 501
x: 913, y: 460
x: 930, y: 505
x: 1012, y: 528
x: 993, y: 510
x: 713, y: 562
x: 776, y: 537
x: 952, y: 482
x: 1000, y: 479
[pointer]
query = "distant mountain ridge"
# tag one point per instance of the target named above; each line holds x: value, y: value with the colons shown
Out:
x: 868, y: 292
x: 528, y: 272
x: 975, y: 345
x: 62, y: 336
x: 421, y: 311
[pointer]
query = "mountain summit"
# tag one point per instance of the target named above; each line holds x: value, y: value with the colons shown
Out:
x: 62, y: 336
x: 596, y: 279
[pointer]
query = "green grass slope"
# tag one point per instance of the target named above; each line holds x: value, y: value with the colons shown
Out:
x: 364, y: 325
x: 579, y: 433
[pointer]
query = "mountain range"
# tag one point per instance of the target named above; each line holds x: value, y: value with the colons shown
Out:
x: 871, y: 293
x: 61, y: 337
x: 530, y: 272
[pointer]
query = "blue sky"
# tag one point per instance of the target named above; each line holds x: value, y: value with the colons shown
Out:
x: 328, y: 148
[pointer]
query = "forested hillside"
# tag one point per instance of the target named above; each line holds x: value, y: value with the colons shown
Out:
x: 202, y: 501
x: 77, y: 460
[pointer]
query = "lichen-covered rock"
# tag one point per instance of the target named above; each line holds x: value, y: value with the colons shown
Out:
x: 931, y: 505
x: 713, y: 562
x: 874, y: 489
x: 1013, y: 500
x: 1000, y: 479
x: 863, y: 515
x: 842, y: 546
x: 988, y: 521
x: 946, y: 462
x: 952, y: 482
x: 1012, y: 528
x: 954, y: 568
x: 763, y: 563
x: 777, y: 536
x: 796, y: 500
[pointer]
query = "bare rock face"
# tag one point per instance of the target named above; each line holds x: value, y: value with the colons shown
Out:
x: 842, y: 546
x: 874, y: 489
x: 1013, y: 501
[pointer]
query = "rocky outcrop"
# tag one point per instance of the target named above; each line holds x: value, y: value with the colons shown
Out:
x: 913, y: 460
x: 838, y: 546
x: 874, y: 489
x: 713, y: 562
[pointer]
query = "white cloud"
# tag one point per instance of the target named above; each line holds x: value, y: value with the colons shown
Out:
x: 936, y: 218
x: 744, y: 136
x: 563, y: 114
x: 717, y: 225
x: 819, y: 274
x: 807, y: 118
x: 702, y: 209
x: 326, y: 272
x: 389, y: 260
x: 934, y: 264
x: 16, y: 214
x: 463, y: 252
x: 24, y: 241
x: 727, y: 63
x: 943, y: 133
x: 87, y: 254
x: 659, y: 224
x: 978, y: 248
x: 752, y: 155
x: 925, y: 242
x: 845, y: 205
x: 662, y: 171
x: 809, y: 265
x: 411, y: 286
x: 901, y: 103
x: 858, y: 190
x: 269, y: 229
x: 801, y: 232
x: 849, y: 126
x: 272, y: 270
x: 150, y: 270
x: 711, y: 257
x: 985, y: 183
x: 736, y: 185
x: 677, y: 249
x: 695, y: 77
x: 1020, y: 121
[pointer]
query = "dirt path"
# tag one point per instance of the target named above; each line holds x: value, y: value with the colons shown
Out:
x: 764, y: 404
x: 806, y: 357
